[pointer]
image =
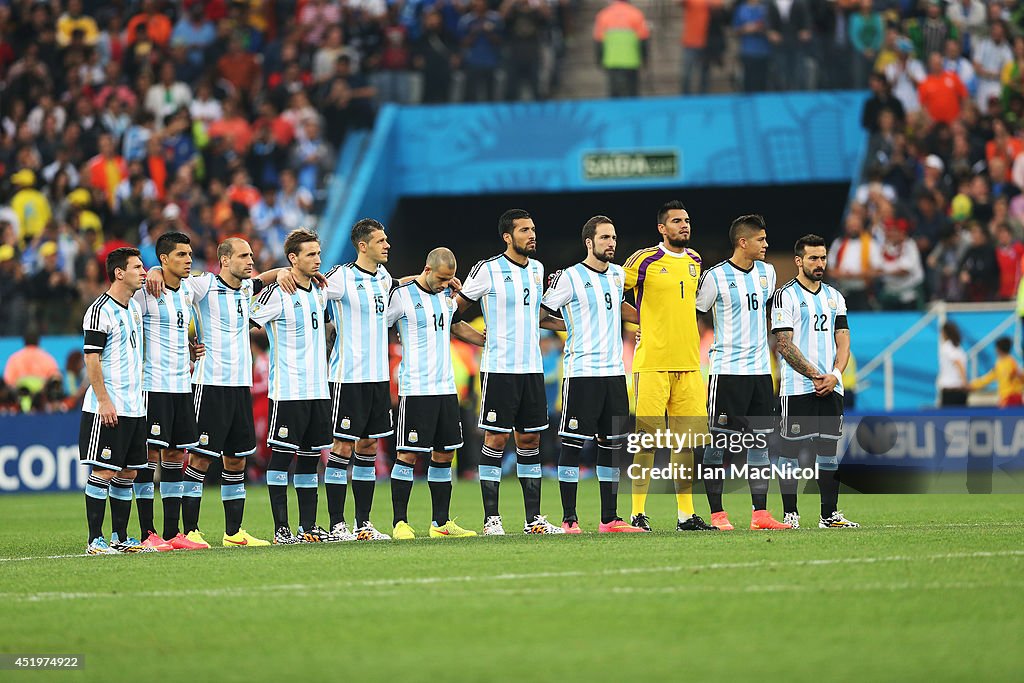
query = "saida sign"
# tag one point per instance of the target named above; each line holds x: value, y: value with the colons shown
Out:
x: 630, y: 165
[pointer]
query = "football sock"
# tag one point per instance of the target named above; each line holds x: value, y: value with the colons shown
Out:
x: 336, y: 485
x: 439, y: 479
x: 364, y: 478
x: 277, y: 485
x: 644, y: 461
x: 232, y: 494
x: 490, y: 479
x: 120, y: 506
x: 96, y: 490
x: 401, y: 488
x: 683, y: 460
x: 569, y: 475
x: 608, y: 479
x: 528, y: 470
x: 171, y: 487
x: 144, y: 494
x: 192, y: 498
x: 828, y: 469
x: 714, y: 477
x: 788, y: 484
x: 306, y: 483
x: 757, y: 459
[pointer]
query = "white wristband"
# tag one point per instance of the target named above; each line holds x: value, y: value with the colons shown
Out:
x: 838, y: 375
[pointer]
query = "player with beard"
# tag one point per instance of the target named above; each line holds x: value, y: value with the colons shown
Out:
x: 666, y: 364
x: 809, y: 322
x: 509, y: 287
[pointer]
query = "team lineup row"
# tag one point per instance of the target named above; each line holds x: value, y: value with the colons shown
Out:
x: 186, y: 401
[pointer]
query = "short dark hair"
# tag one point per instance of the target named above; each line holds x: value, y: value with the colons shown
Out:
x: 166, y: 243
x: 952, y: 332
x: 31, y: 337
x: 673, y: 205
x: 362, y: 230
x: 590, y: 227
x: 119, y: 259
x: 507, y: 221
x: 1004, y: 344
x: 800, y: 248
x: 296, y: 238
x: 745, y: 226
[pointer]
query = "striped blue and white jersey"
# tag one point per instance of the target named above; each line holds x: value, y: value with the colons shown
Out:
x: 298, y: 341
x: 510, y: 296
x: 424, y: 322
x: 222, y: 326
x: 116, y: 333
x: 813, y: 317
x: 357, y: 304
x: 166, y: 320
x: 738, y: 300
x: 591, y: 305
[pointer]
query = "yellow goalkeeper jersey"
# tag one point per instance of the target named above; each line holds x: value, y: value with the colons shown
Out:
x: 664, y: 285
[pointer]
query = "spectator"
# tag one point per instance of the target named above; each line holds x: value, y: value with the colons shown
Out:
x: 696, y: 59
x: 902, y: 273
x: 968, y: 16
x: 194, y: 32
x: 866, y: 34
x: 312, y: 157
x: 955, y: 62
x: 394, y: 61
x: 74, y: 20
x: 30, y: 364
x: 854, y: 260
x: 51, y: 292
x: 979, y: 269
x: 751, y: 23
x: 107, y: 169
x: 480, y: 31
x: 233, y: 127
x: 881, y: 99
x: 1009, y: 252
x: 12, y: 293
x: 149, y: 24
x: 905, y: 75
x: 930, y: 33
x: 789, y: 32
x: 29, y: 205
x: 992, y: 55
x: 240, y: 68
x: 944, y: 266
x: 168, y: 96
x: 526, y: 22
x: 929, y: 222
x: 435, y: 57
x: 952, y: 379
x: 942, y: 93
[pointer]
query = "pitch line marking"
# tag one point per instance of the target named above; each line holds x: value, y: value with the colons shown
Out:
x: 431, y: 580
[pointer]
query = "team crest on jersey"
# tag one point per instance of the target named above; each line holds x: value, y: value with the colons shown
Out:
x: 693, y: 270
x: 832, y: 304
x: 764, y: 282
x: 138, y: 320
x: 536, y: 278
x: 204, y: 439
x: 283, y: 432
x: 617, y: 280
x: 345, y: 423
x: 492, y: 416
x: 795, y: 429
x: 723, y: 419
x: 155, y: 429
x: 573, y: 423
x: 105, y: 454
x: 413, y: 437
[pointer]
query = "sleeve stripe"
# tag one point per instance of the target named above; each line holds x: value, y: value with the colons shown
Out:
x: 480, y: 264
x: 332, y: 271
x: 265, y: 296
x: 638, y: 255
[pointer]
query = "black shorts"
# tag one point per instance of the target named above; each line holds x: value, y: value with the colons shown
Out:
x: 171, y: 419
x: 594, y: 406
x: 300, y: 425
x: 741, y: 403
x: 807, y: 416
x: 510, y: 402
x: 429, y: 423
x: 113, y: 448
x: 224, y: 418
x: 361, y: 410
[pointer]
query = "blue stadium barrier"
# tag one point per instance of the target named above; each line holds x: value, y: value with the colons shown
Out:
x: 40, y: 453
x: 599, y: 146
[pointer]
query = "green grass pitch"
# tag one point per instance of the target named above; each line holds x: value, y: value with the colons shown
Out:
x: 930, y: 589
